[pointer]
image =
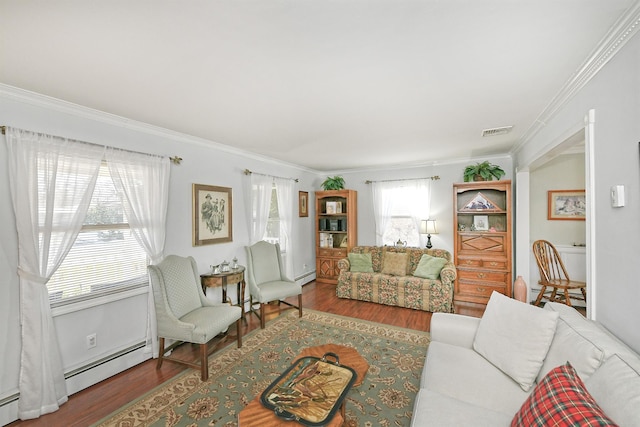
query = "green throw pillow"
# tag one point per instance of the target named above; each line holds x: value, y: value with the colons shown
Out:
x: 429, y: 267
x: 360, y: 263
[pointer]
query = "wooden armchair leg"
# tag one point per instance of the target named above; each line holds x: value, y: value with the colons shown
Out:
x: 239, y: 331
x: 204, y: 362
x: 262, y: 322
x: 299, y: 305
x: 160, y: 353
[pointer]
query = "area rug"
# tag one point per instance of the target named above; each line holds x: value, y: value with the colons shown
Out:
x: 237, y: 375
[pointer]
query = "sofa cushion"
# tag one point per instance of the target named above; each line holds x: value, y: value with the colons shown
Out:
x: 395, y: 264
x: 561, y: 399
x: 596, y: 333
x: 515, y: 337
x: 429, y: 267
x: 435, y: 409
x: 463, y: 374
x: 569, y: 345
x: 616, y: 388
x: 360, y: 263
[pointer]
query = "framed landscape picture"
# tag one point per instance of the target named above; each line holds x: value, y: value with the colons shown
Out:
x: 566, y: 205
x: 303, y: 203
x: 212, y: 215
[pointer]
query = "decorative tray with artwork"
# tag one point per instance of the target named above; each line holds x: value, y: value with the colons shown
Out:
x: 310, y: 391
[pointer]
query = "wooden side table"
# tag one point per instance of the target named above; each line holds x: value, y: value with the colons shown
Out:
x: 214, y: 280
x: 256, y: 415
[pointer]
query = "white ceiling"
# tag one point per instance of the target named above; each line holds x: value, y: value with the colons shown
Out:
x: 326, y: 84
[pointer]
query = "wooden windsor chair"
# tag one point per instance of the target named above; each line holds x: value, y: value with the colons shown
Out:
x: 553, y: 276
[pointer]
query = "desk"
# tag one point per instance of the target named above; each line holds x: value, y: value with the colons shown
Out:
x: 214, y: 280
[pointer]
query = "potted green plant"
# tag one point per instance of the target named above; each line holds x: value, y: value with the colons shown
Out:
x: 333, y: 183
x: 484, y: 171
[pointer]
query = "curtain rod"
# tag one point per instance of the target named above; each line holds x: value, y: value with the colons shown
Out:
x: 434, y: 177
x: 248, y: 172
x: 175, y: 159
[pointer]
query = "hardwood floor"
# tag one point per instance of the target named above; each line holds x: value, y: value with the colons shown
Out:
x: 94, y: 403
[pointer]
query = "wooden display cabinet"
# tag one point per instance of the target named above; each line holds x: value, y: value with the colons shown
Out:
x: 336, y: 231
x: 483, y: 242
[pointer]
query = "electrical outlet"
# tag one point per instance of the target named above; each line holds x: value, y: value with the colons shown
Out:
x: 92, y: 341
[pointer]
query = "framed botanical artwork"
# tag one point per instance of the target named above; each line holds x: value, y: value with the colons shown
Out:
x: 212, y: 215
x: 303, y: 203
x: 566, y: 205
x: 481, y: 222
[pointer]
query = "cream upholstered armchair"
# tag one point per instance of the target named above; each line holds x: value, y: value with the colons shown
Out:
x: 184, y: 314
x: 267, y: 280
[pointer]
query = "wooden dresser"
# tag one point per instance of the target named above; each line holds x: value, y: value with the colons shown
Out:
x: 483, y: 242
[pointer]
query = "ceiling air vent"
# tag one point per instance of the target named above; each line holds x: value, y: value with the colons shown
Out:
x: 497, y: 131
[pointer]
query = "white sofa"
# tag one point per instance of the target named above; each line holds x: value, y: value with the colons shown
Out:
x: 480, y: 372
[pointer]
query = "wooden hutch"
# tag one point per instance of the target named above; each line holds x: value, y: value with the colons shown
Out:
x: 336, y: 231
x: 482, y: 241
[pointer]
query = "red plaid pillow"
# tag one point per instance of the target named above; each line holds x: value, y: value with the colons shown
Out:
x: 561, y: 399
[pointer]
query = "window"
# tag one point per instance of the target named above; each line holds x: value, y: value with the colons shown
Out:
x: 272, y: 233
x: 105, y: 256
x: 401, y: 228
x: 399, y: 206
x: 401, y: 225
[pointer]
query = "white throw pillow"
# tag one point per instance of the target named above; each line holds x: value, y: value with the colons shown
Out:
x: 569, y: 345
x: 515, y: 337
x: 616, y: 387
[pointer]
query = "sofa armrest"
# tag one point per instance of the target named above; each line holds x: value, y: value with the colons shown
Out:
x: 344, y: 264
x: 448, y: 274
x: 454, y: 329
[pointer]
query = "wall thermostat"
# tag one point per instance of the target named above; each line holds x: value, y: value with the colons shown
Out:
x: 617, y: 196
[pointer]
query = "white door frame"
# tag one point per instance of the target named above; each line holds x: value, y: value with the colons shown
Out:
x: 522, y: 206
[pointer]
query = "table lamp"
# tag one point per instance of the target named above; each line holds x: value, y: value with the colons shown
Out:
x: 428, y: 227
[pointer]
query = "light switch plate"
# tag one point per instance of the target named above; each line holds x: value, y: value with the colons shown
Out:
x: 617, y: 196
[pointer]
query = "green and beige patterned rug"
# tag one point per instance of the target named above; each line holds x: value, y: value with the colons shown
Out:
x: 385, y: 398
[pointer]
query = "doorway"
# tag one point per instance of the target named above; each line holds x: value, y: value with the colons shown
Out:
x: 562, y: 166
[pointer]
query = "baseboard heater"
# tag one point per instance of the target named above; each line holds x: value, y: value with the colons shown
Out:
x: 104, y: 360
x: 307, y: 274
x: 14, y: 397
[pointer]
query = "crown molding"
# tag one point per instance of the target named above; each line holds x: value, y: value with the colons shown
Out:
x: 620, y: 33
x: 65, y: 107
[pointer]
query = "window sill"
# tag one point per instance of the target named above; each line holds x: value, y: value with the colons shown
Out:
x: 94, y: 302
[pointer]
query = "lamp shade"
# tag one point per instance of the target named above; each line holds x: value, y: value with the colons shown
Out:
x: 428, y: 226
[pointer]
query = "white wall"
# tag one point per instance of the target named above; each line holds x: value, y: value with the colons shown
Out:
x: 565, y: 172
x: 614, y: 95
x: 122, y: 323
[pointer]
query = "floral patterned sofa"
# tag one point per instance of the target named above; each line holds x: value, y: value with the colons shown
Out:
x: 434, y: 295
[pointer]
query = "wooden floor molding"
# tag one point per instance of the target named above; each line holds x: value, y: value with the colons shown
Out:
x: 94, y: 403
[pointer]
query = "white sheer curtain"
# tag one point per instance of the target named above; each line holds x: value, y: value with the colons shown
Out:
x: 51, y: 191
x: 407, y: 197
x: 419, y: 192
x: 260, y: 187
x: 382, y: 196
x: 143, y: 179
x: 285, y: 191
